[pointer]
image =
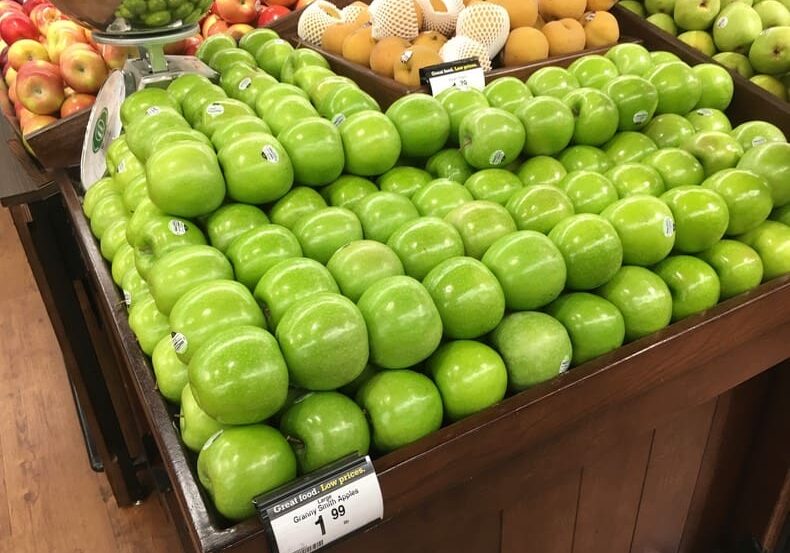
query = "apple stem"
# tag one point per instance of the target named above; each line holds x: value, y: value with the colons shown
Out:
x: 295, y: 442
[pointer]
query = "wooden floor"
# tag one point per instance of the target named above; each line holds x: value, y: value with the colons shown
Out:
x: 50, y: 500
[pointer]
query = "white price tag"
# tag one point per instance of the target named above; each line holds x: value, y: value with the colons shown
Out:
x: 460, y: 74
x: 315, y: 512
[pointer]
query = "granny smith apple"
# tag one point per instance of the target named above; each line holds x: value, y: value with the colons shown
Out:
x: 402, y: 407
x: 257, y: 169
x: 660, y: 57
x: 596, y: 115
x: 468, y: 295
x: 669, y: 130
x: 241, y: 463
x: 630, y: 58
x: 643, y: 299
x: 549, y: 125
x: 98, y: 191
x: 197, y: 99
x: 271, y: 56
x: 529, y: 267
x: 449, y: 164
x: 507, y: 93
x: 715, y: 150
x: 323, y: 427
x: 346, y: 101
x: 268, y: 103
x: 315, y: 149
x: 595, y: 326
x: 171, y: 374
x: 585, y: 158
x: 708, y: 119
x: 593, y: 71
x: 470, y: 376
x: 181, y: 85
x: 158, y: 235
x: 250, y: 88
x: 235, y: 128
x: 298, y: 202
x: 325, y: 87
x: 347, y: 190
x: 645, y: 226
x: 769, y: 53
x: 129, y: 169
x: 195, y: 425
x: 773, y: 13
x: 736, y: 27
x: 231, y: 221
x: 634, y: 6
x: 780, y: 214
x: 381, y: 213
x: 422, y: 123
x: 735, y: 62
x: 771, y: 241
x: 699, y: 40
x: 308, y: 77
x: 679, y: 88
x: 214, y: 44
x: 122, y: 263
x: 177, y: 134
x: 629, y: 146
x: 480, y: 223
x: 289, y: 111
x: 717, y: 86
x: 184, y: 178
x: 534, y: 346
x: 115, y: 150
x: 772, y: 162
x: 148, y: 323
x: 631, y: 179
x: 181, y: 269
x: 218, y: 112
x: 206, y: 310
x: 701, y: 217
x: 371, y: 143
x: 134, y: 288
x: 591, y: 247
x: 541, y: 170
x: 154, y: 121
x: 677, y: 167
x: 229, y: 80
x: 404, y: 325
x: 324, y: 341
x: 423, y: 243
x: 113, y: 238
x: 490, y: 137
x: 358, y: 264
x: 256, y: 38
x: 539, y: 207
x: 289, y: 281
x: 299, y: 58
x: 636, y: 100
x: 738, y: 266
x: 404, y: 180
x: 664, y: 22
x: 458, y: 103
x: 693, y: 283
x: 747, y: 195
x: 439, y: 197
x: 589, y: 192
x: 552, y: 81
x: 494, y: 185
x: 755, y: 133
x: 138, y: 104
x: 325, y: 231
x: 257, y: 250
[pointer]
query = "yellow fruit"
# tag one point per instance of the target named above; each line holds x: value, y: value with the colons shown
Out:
x: 406, y: 69
x: 315, y: 19
x: 600, y: 29
x: 334, y: 35
x: 400, y: 18
x: 561, y: 9
x: 432, y: 39
x: 600, y: 5
x: 565, y: 36
x: 357, y: 13
x: 523, y: 13
x: 385, y: 53
x: 525, y: 45
x: 358, y: 46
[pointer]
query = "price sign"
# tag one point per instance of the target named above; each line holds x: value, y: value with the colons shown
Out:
x: 465, y: 73
x: 322, y: 507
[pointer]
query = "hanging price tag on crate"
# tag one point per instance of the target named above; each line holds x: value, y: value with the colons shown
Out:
x: 465, y: 73
x: 322, y: 507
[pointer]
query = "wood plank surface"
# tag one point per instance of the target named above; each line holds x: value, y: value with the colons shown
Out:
x: 50, y: 500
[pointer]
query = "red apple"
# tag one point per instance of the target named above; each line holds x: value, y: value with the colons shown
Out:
x: 114, y: 56
x: 271, y: 14
x: 83, y: 69
x: 236, y: 11
x: 213, y: 9
x: 9, y: 5
x: 279, y: 2
x: 9, y: 74
x: 28, y: 6
x: 218, y: 27
x: 36, y: 122
x: 75, y: 103
x: 39, y: 87
x: 192, y: 45
x: 238, y: 30
x: 44, y: 15
x: 26, y: 50
x: 208, y: 22
x: 17, y: 26
x: 61, y: 35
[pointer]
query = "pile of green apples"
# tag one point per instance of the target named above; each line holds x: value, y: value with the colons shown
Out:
x: 313, y: 277
x: 751, y: 37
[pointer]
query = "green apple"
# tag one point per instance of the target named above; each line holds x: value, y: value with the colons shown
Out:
x: 177, y: 134
x: 105, y: 213
x: 423, y: 243
x: 669, y: 130
x: 771, y: 241
x: 693, y: 283
x: 184, y: 178
x: 773, y: 14
x: 238, y: 464
x: 298, y: 202
x: 325, y: 87
x: 645, y: 227
x: 309, y: 76
x: 738, y: 267
x: 679, y: 88
x: 148, y: 323
x: 98, y: 191
x: 134, y: 288
x: 325, y: 231
x: 206, y: 310
x: 137, y: 105
x: 736, y: 27
x: 549, y: 125
x: 469, y: 298
x: 113, y: 238
x: 664, y: 22
x: 115, y: 151
x: 495, y: 185
x: 541, y: 170
x: 735, y: 62
x: 181, y: 85
x: 747, y: 195
x: 195, y: 425
x: 636, y: 100
x: 347, y: 190
x: 660, y: 6
x: 770, y: 51
x: 529, y: 267
x: 506, y: 93
x: 596, y: 115
x: 643, y: 299
x: 159, y: 235
x: 171, y: 374
x: 233, y: 75
x: 122, y: 263
x: 717, y: 86
x: 289, y: 111
x: 268, y: 103
x: 715, y: 150
x: 214, y: 44
x: 256, y: 38
x: 631, y: 179
x: 677, y: 167
x: 299, y: 58
x: 701, y: 217
x: 491, y: 137
x: 772, y: 162
x: 458, y: 103
x: 595, y: 326
x: 699, y: 40
x: 534, y: 346
x: 346, y: 101
x: 709, y: 119
x: 552, y: 81
x: 272, y: 55
x: 381, y: 213
x: 591, y: 248
x: 422, y: 123
x: 231, y: 221
x: 154, y: 121
x: 634, y: 6
x: 289, y: 281
x: 470, y: 376
x: 628, y: 147
x: 404, y: 325
x: 197, y: 99
x: 218, y: 112
x: 480, y: 223
x: 449, y: 164
x: 250, y: 88
x: 780, y: 214
x: 181, y: 269
x: 371, y: 143
x: 315, y: 149
x: 592, y: 71
x: 630, y: 58
x: 539, y: 207
x: 257, y: 169
x: 257, y: 250
x: 585, y: 158
x: 402, y: 407
x: 359, y: 264
x: 404, y: 180
x: 233, y: 129
x: 661, y: 56
x: 589, y: 192
x: 754, y: 133
x: 323, y: 427
x: 128, y: 170
x: 770, y: 84
x: 439, y: 197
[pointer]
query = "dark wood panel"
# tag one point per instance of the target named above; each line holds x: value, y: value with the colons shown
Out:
x: 672, y: 472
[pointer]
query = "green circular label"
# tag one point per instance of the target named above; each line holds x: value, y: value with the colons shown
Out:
x: 99, y: 131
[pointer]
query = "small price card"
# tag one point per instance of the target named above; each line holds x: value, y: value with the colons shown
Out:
x: 465, y: 73
x: 322, y: 507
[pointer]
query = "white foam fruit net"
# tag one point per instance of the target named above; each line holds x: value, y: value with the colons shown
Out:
x: 394, y: 18
x: 442, y: 21
x: 463, y: 47
x: 488, y: 24
x: 315, y: 19
x: 353, y: 11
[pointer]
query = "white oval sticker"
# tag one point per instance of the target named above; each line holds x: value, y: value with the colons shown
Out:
x: 177, y: 227
x: 270, y: 154
x: 640, y: 117
x: 565, y: 365
x: 338, y: 119
x: 179, y: 342
x: 704, y: 112
x: 757, y: 140
x: 153, y: 110
x: 215, y: 109
x: 245, y: 83
x: 722, y: 22
x: 497, y: 157
x: 669, y: 227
